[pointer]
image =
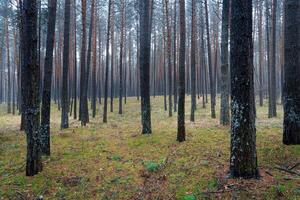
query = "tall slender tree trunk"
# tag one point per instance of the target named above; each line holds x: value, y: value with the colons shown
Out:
x: 260, y: 38
x: 291, y: 125
x: 181, y: 85
x: 75, y: 63
x: 83, y: 68
x: 48, y: 69
x: 66, y: 61
x: 169, y: 53
x: 8, y: 67
x: 144, y: 61
x: 31, y: 71
x: 193, y: 62
x: 243, y: 158
x: 107, y: 61
x: 94, y: 67
x: 174, y: 56
x: 210, y: 68
x: 121, y: 57
x: 273, y: 96
x: 112, y: 63
x: 224, y: 116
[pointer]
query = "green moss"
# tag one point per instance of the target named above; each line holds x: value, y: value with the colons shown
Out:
x: 110, y: 158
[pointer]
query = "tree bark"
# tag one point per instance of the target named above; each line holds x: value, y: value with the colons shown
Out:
x: 144, y: 61
x: 224, y: 116
x: 65, y: 75
x: 193, y: 62
x: 181, y: 85
x: 31, y: 88
x: 243, y: 158
x: 48, y: 69
x: 211, y: 76
x: 291, y: 125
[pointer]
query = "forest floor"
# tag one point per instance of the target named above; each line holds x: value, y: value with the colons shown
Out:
x: 114, y: 161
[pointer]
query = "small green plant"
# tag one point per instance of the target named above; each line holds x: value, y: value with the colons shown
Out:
x: 189, y: 197
x: 151, y: 166
x: 116, y: 157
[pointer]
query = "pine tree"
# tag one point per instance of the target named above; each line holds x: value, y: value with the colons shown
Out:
x: 291, y: 125
x: 243, y: 158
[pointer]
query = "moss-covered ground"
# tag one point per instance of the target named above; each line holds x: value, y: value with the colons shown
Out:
x: 114, y: 161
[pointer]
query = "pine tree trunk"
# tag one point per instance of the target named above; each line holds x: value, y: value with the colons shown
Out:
x: 144, y: 61
x: 291, y: 125
x: 66, y: 61
x: 181, y: 85
x: 31, y: 88
x: 243, y: 159
x: 193, y: 62
x: 46, y: 97
x: 121, y: 57
x: 224, y: 116
x: 210, y: 68
x: 107, y: 61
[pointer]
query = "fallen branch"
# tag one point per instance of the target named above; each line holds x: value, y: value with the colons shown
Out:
x: 293, y: 167
x: 287, y: 170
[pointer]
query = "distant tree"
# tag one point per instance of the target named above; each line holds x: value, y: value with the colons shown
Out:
x: 8, y: 62
x: 272, y: 110
x: 85, y: 110
x: 291, y: 125
x: 181, y: 84
x: 121, y: 56
x: 112, y: 50
x: 169, y: 56
x: 75, y: 62
x: 32, y: 74
x: 210, y: 68
x: 110, y: 3
x: 144, y: 61
x: 175, y: 86
x: 46, y: 97
x: 224, y: 115
x: 193, y: 62
x: 83, y: 67
x: 66, y: 61
x: 94, y: 66
x: 243, y: 158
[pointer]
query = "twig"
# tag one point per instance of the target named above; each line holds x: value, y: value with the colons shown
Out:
x: 293, y: 167
x: 287, y: 170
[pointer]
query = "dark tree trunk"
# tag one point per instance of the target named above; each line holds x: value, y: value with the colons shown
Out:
x: 193, y: 62
x: 65, y: 75
x: 94, y: 68
x: 273, y: 96
x: 8, y: 67
x: 260, y: 38
x: 46, y: 97
x: 83, y: 68
x: 121, y: 57
x: 144, y: 61
x: 224, y: 115
x: 291, y: 126
x: 169, y: 46
x: 31, y: 88
x: 243, y: 159
x: 107, y: 61
x: 181, y: 85
x: 112, y: 62
x: 75, y: 64
x: 174, y: 56
x: 85, y: 118
x: 210, y: 68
